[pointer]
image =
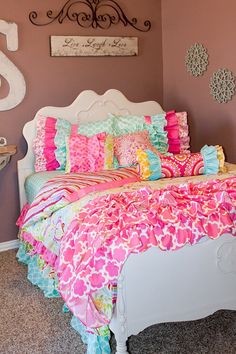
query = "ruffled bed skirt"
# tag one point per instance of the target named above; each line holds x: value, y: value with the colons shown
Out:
x: 44, y: 277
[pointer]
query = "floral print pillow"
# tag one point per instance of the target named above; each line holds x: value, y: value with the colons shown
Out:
x: 125, y: 147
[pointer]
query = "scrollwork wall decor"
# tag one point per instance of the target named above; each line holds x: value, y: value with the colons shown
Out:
x: 196, y: 59
x: 91, y: 13
x: 222, y: 85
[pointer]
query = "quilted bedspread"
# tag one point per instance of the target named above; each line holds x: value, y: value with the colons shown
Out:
x: 86, y: 225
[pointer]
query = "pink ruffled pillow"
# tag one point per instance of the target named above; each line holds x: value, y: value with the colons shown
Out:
x: 125, y: 146
x: 89, y: 154
x: 52, y: 134
x: 49, y: 145
x: 177, y: 132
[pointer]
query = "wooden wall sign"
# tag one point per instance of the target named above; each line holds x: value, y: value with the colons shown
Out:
x: 93, y: 46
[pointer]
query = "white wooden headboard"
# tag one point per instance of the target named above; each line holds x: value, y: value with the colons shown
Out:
x: 87, y: 107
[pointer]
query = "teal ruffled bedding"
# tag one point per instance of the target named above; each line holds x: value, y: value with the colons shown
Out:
x: 73, y: 197
x: 38, y: 274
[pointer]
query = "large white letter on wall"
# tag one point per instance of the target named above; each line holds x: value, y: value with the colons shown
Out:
x: 9, y: 71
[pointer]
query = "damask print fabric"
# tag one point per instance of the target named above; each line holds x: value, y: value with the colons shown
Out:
x: 97, y: 228
x: 109, y: 228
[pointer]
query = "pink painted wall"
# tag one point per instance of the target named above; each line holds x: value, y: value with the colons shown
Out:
x: 57, y: 81
x: 212, y: 23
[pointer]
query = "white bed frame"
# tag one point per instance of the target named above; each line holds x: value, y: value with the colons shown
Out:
x: 154, y: 286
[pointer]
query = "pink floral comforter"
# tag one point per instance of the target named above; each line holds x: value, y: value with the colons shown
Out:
x: 110, y: 225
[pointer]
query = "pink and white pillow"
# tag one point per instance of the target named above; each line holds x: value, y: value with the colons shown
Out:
x: 177, y: 132
x: 88, y: 154
x: 50, y: 143
x: 125, y: 146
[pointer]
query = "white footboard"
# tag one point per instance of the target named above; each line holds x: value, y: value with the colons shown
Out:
x: 183, y: 285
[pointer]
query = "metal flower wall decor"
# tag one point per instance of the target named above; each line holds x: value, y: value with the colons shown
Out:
x: 91, y: 13
x: 222, y: 85
x: 196, y: 59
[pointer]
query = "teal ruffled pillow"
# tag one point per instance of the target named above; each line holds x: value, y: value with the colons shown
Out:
x: 50, y: 142
x: 154, y: 124
x: 92, y: 128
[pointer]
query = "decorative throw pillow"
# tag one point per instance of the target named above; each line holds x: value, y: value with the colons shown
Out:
x: 154, y: 124
x: 183, y: 132
x: 49, y: 145
x: 93, y: 128
x: 88, y: 154
x: 177, y: 132
x: 125, y: 147
x: 153, y: 166
x: 50, y: 142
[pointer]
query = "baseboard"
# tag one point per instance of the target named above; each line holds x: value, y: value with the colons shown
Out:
x: 9, y: 245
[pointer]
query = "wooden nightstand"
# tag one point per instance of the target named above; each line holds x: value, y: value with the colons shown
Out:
x: 6, y: 152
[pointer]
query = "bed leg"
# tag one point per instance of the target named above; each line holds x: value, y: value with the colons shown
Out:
x: 121, y: 347
x: 120, y: 328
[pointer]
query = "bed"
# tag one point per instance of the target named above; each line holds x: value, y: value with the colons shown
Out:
x: 153, y: 286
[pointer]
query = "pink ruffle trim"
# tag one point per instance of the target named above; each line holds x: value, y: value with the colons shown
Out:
x: 172, y: 129
x: 133, y: 222
x: 50, y: 147
x: 21, y: 219
x: 49, y: 257
x: 177, y: 132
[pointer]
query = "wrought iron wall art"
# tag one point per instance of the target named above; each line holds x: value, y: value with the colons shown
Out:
x: 222, y: 85
x: 196, y: 59
x: 91, y: 13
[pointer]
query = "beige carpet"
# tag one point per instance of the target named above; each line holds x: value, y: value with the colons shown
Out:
x: 32, y: 324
